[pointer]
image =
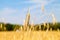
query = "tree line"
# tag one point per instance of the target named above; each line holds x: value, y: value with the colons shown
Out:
x: 37, y: 27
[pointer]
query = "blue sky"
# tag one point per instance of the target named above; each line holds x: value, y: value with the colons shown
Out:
x: 14, y: 11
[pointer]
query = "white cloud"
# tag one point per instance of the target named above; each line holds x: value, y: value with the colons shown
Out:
x: 39, y: 3
x: 6, y: 11
x: 11, y: 15
x: 5, y: 14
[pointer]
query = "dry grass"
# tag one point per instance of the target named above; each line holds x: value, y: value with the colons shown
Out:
x: 30, y: 35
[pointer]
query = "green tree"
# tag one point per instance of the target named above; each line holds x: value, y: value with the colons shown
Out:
x: 9, y: 27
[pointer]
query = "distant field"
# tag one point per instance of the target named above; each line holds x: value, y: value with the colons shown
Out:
x: 30, y: 35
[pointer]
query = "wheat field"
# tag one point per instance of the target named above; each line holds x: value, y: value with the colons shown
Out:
x: 30, y: 35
